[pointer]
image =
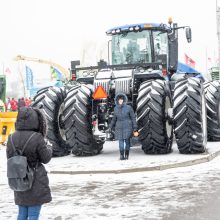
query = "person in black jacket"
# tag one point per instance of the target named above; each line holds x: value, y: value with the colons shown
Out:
x: 21, y: 103
x: 28, y: 121
x: 125, y: 124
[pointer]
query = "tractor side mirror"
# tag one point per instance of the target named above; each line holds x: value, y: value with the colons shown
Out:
x: 188, y: 34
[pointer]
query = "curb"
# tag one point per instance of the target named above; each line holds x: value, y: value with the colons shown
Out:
x: 205, y: 159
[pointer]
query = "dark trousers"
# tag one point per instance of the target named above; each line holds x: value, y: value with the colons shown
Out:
x: 124, y: 144
x: 29, y: 212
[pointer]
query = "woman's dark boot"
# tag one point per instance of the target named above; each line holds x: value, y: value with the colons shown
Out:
x: 126, y: 154
x: 122, y: 155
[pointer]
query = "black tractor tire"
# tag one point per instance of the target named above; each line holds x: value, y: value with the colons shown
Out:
x: 212, y: 94
x: 78, y: 122
x: 51, y: 101
x: 155, y: 128
x: 189, y: 112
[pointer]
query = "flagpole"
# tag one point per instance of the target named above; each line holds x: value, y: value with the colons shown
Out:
x: 206, y: 63
x: 22, y: 79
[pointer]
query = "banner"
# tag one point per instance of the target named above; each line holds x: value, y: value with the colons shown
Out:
x: 55, y: 74
x: 189, y: 61
x: 29, y: 78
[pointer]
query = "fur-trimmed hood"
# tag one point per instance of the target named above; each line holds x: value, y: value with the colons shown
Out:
x: 121, y: 95
x: 42, y: 122
x: 30, y: 119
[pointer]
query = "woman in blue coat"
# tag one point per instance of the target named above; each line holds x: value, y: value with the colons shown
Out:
x: 124, y: 123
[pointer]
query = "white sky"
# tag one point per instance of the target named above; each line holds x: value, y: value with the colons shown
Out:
x: 59, y: 30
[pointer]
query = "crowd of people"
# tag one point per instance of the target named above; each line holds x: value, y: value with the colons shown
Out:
x: 14, y: 105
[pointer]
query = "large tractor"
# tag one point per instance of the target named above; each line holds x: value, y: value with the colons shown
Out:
x: 142, y: 63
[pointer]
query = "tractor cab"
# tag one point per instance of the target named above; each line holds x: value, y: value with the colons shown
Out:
x: 146, y: 43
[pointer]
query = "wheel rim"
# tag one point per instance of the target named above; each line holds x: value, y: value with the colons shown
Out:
x: 218, y: 112
x: 60, y: 121
x: 204, y: 120
x: 168, y: 126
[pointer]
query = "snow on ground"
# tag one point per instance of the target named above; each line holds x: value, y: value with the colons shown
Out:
x: 144, y: 195
x: 109, y: 159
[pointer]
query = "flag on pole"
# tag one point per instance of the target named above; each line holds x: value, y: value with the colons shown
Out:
x: 55, y: 74
x: 189, y: 61
x: 29, y: 78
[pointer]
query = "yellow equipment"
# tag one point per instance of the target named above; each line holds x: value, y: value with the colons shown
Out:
x: 58, y: 66
x: 7, y: 124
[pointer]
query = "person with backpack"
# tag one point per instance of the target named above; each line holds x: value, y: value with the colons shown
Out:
x: 124, y: 123
x: 28, y: 141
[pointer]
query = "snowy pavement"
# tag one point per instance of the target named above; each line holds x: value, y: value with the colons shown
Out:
x: 152, y: 195
x: 108, y: 161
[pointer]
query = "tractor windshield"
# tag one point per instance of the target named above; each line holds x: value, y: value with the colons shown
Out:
x: 160, y: 43
x: 131, y: 48
x: 135, y: 47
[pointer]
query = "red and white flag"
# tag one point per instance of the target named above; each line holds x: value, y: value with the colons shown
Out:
x: 189, y: 61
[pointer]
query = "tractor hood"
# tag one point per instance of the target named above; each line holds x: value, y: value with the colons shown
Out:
x: 107, y: 74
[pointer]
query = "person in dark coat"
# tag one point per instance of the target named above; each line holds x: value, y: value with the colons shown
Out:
x: 28, y: 121
x: 21, y: 103
x: 124, y: 123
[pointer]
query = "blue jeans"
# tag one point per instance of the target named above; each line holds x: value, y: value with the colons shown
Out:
x: 29, y: 212
x: 124, y: 144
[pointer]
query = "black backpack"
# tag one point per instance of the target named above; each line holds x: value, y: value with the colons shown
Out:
x: 20, y: 174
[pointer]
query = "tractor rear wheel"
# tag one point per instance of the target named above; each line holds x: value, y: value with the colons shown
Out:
x: 189, y: 113
x: 155, y: 128
x: 51, y: 101
x: 212, y: 94
x: 78, y: 122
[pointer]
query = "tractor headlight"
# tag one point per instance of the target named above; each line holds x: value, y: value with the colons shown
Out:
x: 92, y: 73
x: 137, y: 28
x: 85, y: 73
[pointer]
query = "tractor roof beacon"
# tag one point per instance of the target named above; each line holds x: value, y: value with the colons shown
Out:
x: 142, y: 63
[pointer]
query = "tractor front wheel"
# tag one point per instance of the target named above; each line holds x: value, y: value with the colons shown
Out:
x: 51, y: 101
x: 78, y: 122
x: 189, y: 113
x: 155, y: 128
x: 212, y: 94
